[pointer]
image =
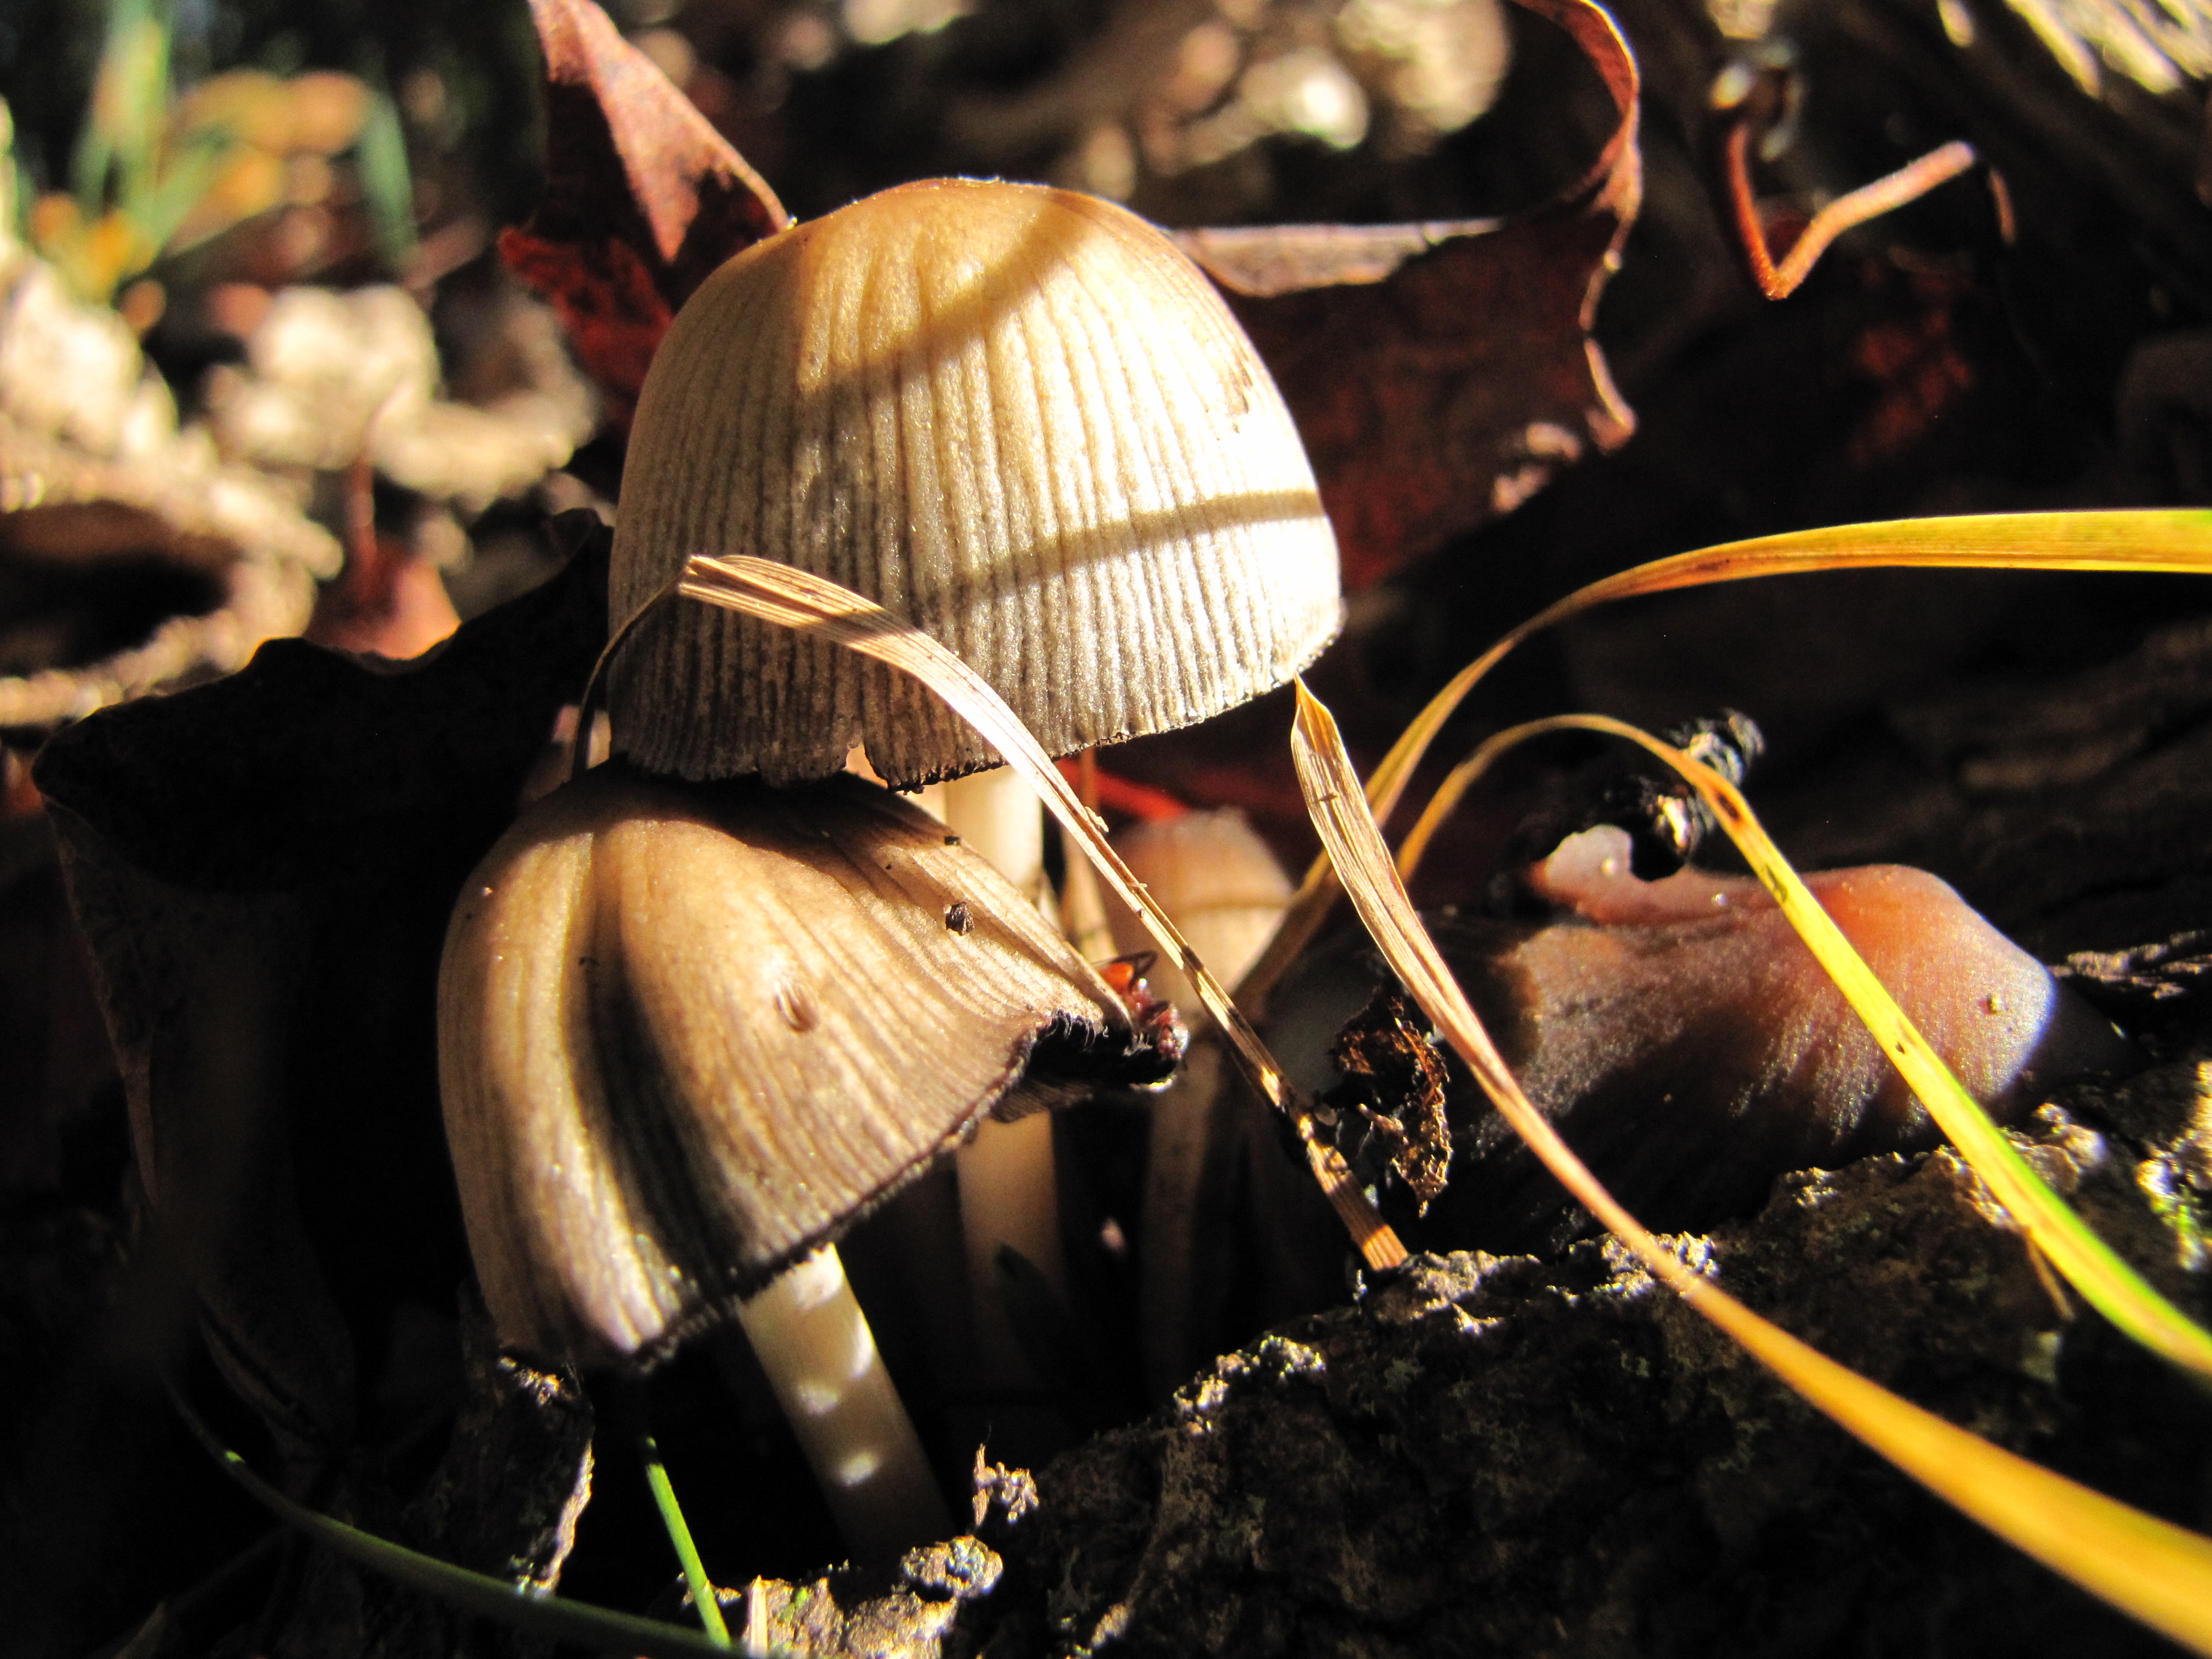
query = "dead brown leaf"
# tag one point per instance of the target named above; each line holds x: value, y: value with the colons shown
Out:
x: 1383, y: 1047
x: 1441, y: 374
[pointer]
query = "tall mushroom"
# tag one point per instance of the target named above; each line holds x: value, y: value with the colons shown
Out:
x: 1019, y: 417
x: 688, y: 1035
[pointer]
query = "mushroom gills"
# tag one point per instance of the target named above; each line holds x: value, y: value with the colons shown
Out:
x: 1691, y: 1048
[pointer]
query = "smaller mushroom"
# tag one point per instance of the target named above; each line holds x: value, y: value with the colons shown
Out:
x: 688, y: 1034
x: 1010, y: 1198
x: 1691, y: 1049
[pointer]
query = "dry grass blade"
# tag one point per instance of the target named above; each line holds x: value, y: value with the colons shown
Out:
x: 2159, y: 1573
x: 2168, y: 542
x: 2176, y: 542
x: 792, y: 599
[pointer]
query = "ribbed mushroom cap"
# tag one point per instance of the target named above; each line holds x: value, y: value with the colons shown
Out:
x: 1018, y: 416
x: 688, y: 1034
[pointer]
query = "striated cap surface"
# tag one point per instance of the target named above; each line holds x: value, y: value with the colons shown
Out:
x: 1016, y: 415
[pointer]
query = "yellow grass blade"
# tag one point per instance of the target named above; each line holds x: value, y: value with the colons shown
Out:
x: 2159, y: 1573
x: 2087, y: 1262
x: 2179, y: 542
x: 2172, y: 543
x: 2169, y: 542
x: 793, y: 599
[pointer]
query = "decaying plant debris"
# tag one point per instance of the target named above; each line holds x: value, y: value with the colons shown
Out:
x: 1474, y: 1455
x: 1484, y: 1455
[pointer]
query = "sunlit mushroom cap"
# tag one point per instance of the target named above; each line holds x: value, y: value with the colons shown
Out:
x: 688, y: 1033
x: 1018, y: 416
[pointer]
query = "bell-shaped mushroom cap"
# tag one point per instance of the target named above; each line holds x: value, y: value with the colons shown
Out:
x: 687, y: 1034
x: 1018, y: 416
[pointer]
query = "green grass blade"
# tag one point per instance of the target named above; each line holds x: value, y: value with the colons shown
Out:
x: 138, y: 141
x: 108, y: 113
x: 388, y: 183
x: 2157, y: 1572
x: 679, y: 1533
x: 193, y: 168
x: 596, y: 1629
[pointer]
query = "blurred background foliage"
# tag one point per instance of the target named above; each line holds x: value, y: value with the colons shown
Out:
x: 1192, y: 110
x: 164, y: 123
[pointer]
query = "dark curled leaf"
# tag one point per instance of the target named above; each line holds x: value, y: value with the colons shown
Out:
x: 1441, y: 374
x: 1398, y: 1082
x: 311, y: 766
x: 263, y: 868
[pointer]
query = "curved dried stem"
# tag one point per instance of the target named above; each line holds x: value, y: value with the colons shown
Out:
x: 1869, y: 202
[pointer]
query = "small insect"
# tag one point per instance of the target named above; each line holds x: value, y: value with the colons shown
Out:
x: 1156, y: 1022
x: 1126, y: 975
x: 958, y: 917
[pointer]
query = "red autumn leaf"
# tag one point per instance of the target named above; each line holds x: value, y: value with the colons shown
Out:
x: 607, y: 302
x: 642, y: 199
x: 1440, y: 373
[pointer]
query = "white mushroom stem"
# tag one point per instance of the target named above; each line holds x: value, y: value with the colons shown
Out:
x: 1083, y: 914
x: 1008, y: 1191
x: 1222, y: 886
x: 813, y: 1341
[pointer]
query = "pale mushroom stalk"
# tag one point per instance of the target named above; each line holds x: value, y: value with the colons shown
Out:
x: 811, y: 1338
x: 1223, y: 889
x: 1008, y: 1191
